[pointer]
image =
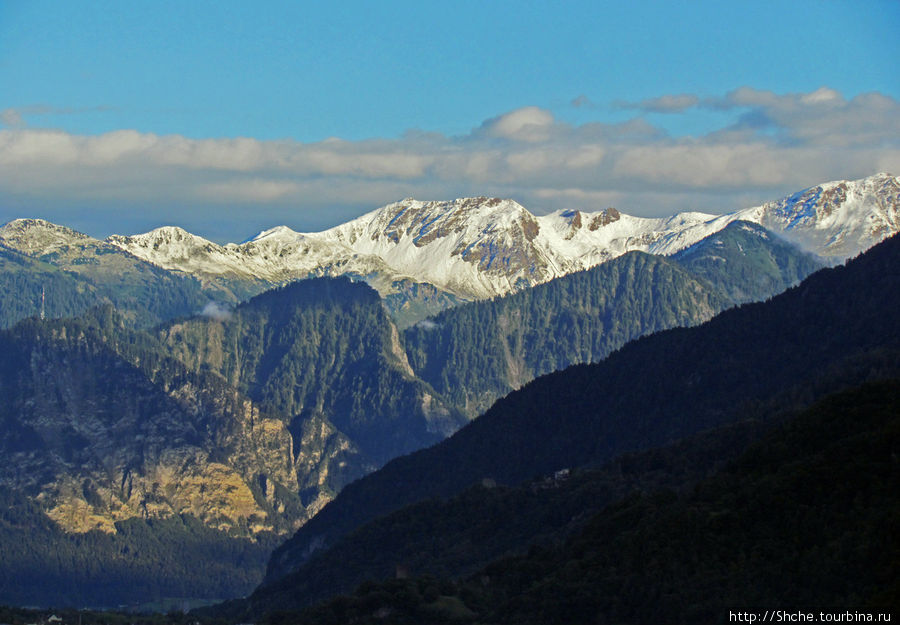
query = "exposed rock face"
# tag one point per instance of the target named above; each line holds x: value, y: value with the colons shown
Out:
x: 604, y: 218
x: 96, y: 441
x: 249, y: 421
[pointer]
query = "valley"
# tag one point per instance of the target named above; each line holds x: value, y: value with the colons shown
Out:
x: 171, y: 403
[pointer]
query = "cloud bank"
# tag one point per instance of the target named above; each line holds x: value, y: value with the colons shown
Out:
x: 774, y: 143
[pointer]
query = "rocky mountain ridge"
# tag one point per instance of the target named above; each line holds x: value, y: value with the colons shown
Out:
x: 837, y: 220
x: 423, y: 257
x: 476, y: 248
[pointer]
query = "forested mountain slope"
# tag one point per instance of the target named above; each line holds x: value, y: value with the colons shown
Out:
x: 654, y: 390
x: 806, y: 517
x: 322, y: 348
x: 747, y: 263
x: 146, y: 560
x: 212, y: 429
x: 23, y: 278
x: 476, y: 353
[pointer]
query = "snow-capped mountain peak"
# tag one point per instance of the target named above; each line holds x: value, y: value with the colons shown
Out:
x: 173, y: 248
x: 837, y: 219
x: 424, y: 222
x: 276, y: 233
x: 481, y: 247
x: 171, y: 237
x: 37, y: 237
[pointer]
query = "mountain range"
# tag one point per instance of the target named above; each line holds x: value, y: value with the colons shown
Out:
x: 158, y: 404
x: 241, y: 423
x: 423, y: 257
x: 477, y: 248
x: 55, y: 271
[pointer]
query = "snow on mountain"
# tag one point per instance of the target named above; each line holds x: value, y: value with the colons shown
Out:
x: 275, y: 256
x: 69, y: 249
x: 36, y: 237
x: 483, y: 247
x: 177, y: 249
x: 836, y: 220
x: 472, y: 248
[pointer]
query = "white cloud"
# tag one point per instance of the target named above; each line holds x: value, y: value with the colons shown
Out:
x: 775, y: 143
x: 252, y: 190
x: 590, y: 155
x: 525, y: 124
x: 705, y: 166
x: 819, y: 118
x: 580, y: 197
x: 820, y: 96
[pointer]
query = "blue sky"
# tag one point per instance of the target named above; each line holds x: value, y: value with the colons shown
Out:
x: 229, y: 117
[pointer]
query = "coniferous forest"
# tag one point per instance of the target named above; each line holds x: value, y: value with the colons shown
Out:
x: 755, y: 366
x: 293, y: 395
x: 806, y: 516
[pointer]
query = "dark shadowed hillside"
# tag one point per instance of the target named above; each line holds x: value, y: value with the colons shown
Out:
x: 454, y: 537
x: 836, y: 328
x: 806, y: 517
